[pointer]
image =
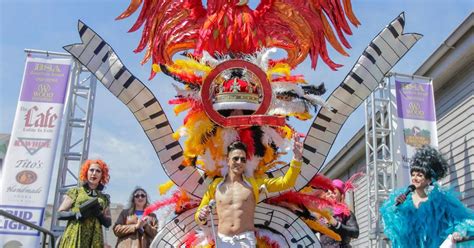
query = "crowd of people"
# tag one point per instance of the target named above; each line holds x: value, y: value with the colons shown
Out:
x: 425, y: 215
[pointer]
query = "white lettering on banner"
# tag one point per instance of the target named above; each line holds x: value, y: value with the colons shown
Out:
x: 43, y: 91
x: 32, y: 215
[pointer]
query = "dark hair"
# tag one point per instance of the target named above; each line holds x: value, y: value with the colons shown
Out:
x: 132, y: 200
x: 237, y: 145
x: 430, y: 162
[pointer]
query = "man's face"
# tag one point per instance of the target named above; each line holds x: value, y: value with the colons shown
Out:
x: 237, y: 160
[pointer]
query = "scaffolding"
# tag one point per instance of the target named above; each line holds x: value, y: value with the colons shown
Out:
x: 76, y: 135
x: 379, y: 157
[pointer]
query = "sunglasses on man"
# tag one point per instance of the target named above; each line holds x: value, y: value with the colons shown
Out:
x: 242, y: 159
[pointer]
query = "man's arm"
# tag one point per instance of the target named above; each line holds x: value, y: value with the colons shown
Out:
x: 285, y: 182
x: 204, y: 203
x: 289, y: 179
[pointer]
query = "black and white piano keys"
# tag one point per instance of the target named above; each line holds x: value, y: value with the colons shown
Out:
x: 280, y: 220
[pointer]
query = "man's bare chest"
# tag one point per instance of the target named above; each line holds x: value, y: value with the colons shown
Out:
x: 229, y: 194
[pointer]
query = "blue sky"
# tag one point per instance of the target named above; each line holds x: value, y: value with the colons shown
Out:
x: 116, y: 136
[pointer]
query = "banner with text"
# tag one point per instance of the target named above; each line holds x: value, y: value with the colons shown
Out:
x: 4, y: 138
x: 414, y: 121
x: 28, y: 163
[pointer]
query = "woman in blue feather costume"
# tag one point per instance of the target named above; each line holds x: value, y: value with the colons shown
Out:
x: 426, y: 217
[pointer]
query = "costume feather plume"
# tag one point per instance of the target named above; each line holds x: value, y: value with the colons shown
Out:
x: 301, y: 199
x: 290, y: 79
x: 208, y: 164
x: 270, y: 135
x: 268, y: 239
x: 246, y: 136
x: 165, y: 187
x: 251, y: 165
x: 263, y: 57
x: 161, y: 203
x: 322, y: 228
x: 321, y: 182
x: 349, y: 184
x: 301, y: 28
x: 189, y: 240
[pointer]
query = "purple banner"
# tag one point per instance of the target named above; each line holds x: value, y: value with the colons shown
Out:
x: 415, y: 101
x: 45, y: 82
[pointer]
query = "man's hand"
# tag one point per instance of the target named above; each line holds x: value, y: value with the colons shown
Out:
x: 401, y: 199
x: 297, y: 147
x: 204, y: 213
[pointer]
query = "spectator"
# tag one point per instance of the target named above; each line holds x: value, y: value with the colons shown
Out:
x: 132, y: 228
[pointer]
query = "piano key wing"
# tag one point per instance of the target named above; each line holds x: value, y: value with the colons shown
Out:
x: 100, y: 59
x: 385, y: 50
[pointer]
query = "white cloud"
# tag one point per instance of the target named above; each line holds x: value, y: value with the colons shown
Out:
x: 132, y: 162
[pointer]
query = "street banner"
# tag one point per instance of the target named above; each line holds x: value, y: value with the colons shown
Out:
x: 28, y: 164
x: 4, y: 138
x: 414, y: 118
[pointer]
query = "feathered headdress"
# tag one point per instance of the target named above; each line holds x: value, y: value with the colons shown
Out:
x: 344, y: 187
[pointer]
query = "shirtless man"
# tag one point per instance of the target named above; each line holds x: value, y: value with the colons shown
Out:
x: 236, y: 196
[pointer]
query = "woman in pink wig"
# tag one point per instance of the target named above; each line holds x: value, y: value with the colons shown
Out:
x: 344, y: 221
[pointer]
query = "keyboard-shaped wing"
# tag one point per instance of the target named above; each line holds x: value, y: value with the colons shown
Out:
x: 282, y: 221
x: 100, y: 59
x: 380, y: 56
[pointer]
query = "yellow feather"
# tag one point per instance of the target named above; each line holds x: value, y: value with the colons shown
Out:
x: 287, y: 131
x: 192, y: 65
x: 281, y: 71
x: 306, y: 190
x: 322, y: 229
x: 176, y: 135
x: 198, y: 125
x: 182, y: 107
x: 269, y: 155
x: 175, y: 69
x: 301, y: 116
x: 325, y: 213
x: 165, y: 187
x: 156, y: 68
x: 280, y: 68
x: 215, y: 145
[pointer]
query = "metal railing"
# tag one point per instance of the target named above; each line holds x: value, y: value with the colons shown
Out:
x: 31, y: 225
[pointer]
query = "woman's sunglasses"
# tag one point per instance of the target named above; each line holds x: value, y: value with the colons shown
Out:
x: 140, y: 196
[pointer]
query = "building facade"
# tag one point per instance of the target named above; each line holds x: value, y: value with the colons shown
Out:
x: 451, y: 67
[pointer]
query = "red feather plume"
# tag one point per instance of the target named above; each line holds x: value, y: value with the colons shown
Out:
x: 321, y: 182
x: 300, y: 27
